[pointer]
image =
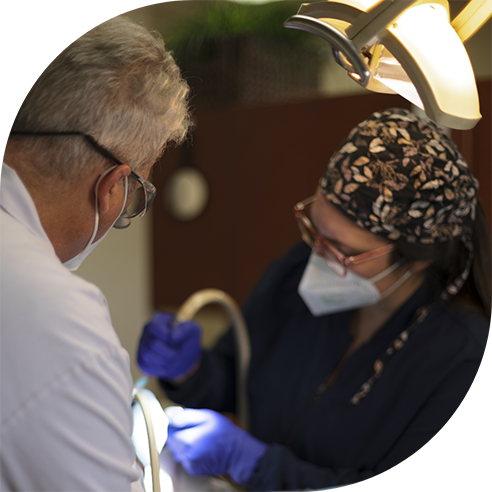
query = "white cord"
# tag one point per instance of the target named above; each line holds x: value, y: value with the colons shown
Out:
x: 243, y: 350
x: 154, y: 454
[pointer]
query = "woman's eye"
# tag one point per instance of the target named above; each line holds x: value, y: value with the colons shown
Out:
x: 349, y: 252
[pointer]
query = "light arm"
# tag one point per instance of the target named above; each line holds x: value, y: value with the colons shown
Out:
x: 472, y: 18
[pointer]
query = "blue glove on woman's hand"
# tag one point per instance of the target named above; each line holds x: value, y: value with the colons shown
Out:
x: 207, y: 443
x: 168, y: 351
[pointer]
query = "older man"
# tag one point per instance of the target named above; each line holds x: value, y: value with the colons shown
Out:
x: 76, y: 163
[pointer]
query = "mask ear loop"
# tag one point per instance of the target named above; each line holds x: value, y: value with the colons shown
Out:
x: 390, y: 269
x: 397, y: 284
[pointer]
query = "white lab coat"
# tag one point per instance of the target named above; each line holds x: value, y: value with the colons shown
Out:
x: 65, y: 381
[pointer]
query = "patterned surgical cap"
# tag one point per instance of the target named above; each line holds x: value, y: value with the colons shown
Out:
x: 399, y: 176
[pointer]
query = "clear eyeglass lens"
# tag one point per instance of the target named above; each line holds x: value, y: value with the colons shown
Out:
x: 305, y: 234
x: 137, y: 205
x: 333, y: 262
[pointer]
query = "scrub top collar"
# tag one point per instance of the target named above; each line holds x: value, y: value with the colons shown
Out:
x: 17, y: 202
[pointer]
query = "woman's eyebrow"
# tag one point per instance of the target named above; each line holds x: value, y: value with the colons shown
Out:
x: 332, y: 241
x: 342, y: 246
x: 345, y: 248
x: 335, y: 243
x: 349, y: 250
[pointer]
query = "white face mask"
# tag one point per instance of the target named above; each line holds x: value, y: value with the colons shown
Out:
x: 324, y: 292
x: 76, y: 261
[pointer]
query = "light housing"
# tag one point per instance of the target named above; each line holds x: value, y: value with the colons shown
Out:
x: 408, y: 47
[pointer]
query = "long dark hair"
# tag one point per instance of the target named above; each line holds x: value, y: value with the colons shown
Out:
x: 448, y: 261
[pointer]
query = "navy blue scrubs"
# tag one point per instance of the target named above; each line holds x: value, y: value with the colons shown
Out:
x: 319, y: 439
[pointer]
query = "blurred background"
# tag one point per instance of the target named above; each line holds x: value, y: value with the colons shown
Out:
x: 270, y: 106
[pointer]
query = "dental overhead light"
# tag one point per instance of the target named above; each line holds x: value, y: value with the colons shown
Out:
x: 406, y: 47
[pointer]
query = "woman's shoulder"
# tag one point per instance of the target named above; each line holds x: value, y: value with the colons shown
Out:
x: 456, y: 321
x: 468, y: 313
x: 463, y: 323
x: 285, y: 272
x: 278, y: 285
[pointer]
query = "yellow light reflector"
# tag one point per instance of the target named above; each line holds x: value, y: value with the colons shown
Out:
x: 435, y: 61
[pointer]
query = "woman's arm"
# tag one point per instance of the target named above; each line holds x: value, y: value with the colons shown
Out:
x: 213, y: 385
x: 280, y: 469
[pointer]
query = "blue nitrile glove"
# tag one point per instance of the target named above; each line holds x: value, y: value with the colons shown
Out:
x: 168, y: 351
x: 207, y: 443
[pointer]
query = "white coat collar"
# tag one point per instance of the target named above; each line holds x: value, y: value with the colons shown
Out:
x: 17, y: 202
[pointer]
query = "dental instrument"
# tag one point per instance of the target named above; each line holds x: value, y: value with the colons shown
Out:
x: 147, y: 402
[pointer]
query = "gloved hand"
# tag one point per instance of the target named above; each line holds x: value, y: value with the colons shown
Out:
x: 168, y: 351
x: 207, y: 443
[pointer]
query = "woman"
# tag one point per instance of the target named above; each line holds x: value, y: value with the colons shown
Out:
x: 365, y: 340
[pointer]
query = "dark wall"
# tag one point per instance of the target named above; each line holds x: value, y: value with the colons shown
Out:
x: 259, y: 162
x: 476, y: 147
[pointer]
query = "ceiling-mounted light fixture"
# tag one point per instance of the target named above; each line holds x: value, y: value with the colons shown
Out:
x: 406, y: 47
x: 253, y: 2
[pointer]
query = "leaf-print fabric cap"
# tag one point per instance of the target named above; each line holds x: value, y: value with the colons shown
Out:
x: 400, y: 176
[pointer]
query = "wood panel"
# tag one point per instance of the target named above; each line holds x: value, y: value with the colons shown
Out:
x: 476, y: 147
x: 482, y: 161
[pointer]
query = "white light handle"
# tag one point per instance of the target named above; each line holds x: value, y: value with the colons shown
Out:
x: 366, y: 28
x: 472, y: 18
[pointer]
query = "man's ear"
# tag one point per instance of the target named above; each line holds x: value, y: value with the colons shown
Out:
x: 108, y: 186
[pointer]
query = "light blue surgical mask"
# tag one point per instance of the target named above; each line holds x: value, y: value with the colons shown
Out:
x: 325, y: 292
x: 76, y: 261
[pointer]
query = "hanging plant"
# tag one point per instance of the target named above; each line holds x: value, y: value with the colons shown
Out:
x: 194, y: 35
x: 242, y: 54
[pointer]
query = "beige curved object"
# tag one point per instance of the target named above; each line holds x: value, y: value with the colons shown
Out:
x: 204, y: 297
x: 142, y: 400
x: 472, y: 18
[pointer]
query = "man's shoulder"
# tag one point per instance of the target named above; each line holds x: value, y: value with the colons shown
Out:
x: 43, y: 301
x: 32, y: 276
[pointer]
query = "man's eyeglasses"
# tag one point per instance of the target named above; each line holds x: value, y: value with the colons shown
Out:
x: 144, y: 194
x: 336, y: 260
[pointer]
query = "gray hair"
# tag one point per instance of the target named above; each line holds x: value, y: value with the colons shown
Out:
x: 117, y: 83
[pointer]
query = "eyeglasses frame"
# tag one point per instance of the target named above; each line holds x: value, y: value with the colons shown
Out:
x: 345, y: 261
x: 149, y: 189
